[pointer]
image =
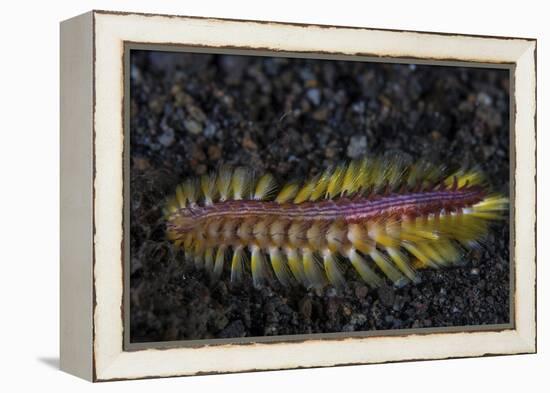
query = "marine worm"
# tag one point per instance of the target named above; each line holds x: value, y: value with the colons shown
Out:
x: 385, y: 218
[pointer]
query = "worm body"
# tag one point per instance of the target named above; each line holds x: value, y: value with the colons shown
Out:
x: 381, y: 216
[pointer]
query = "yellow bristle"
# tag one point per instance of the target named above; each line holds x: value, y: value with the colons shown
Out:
x: 417, y: 229
x: 172, y: 206
x: 360, y: 265
x: 265, y: 188
x: 492, y: 203
x: 209, y: 259
x: 486, y: 215
x: 402, y: 263
x: 295, y: 265
x: 180, y: 196
x: 190, y: 191
x: 320, y: 188
x: 198, y: 253
x: 431, y: 253
x: 393, y: 228
x: 287, y: 193
x: 313, y: 272
x: 463, y: 178
x: 378, y: 234
x: 447, y: 250
x: 419, y: 265
x: 223, y: 183
x: 422, y: 172
x: 387, y: 267
x: 332, y: 270
x: 241, y: 183
x: 279, y: 266
x: 188, y: 241
x: 351, y: 181
x: 258, y: 267
x: 375, y: 175
x: 364, y: 175
x: 384, y: 173
x: 237, y: 264
x: 358, y: 237
x: 208, y: 188
x: 465, y: 227
x: 414, y: 175
x: 172, y: 236
x: 490, y: 208
x: 394, y: 174
x: 305, y: 192
x: 422, y: 260
x: 335, y: 183
x: 219, y: 262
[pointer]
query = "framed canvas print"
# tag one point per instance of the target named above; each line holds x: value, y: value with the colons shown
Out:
x: 245, y: 195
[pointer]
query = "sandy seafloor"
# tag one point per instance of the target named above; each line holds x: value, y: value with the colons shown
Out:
x: 294, y: 117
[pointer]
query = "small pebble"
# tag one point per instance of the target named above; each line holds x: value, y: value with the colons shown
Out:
x: 321, y: 114
x: 306, y: 307
x: 192, y: 126
x: 348, y: 328
x: 361, y: 291
x: 210, y: 130
x: 314, y: 96
x: 167, y: 138
x: 346, y: 309
x: 436, y: 135
x: 214, y: 152
x: 219, y: 321
x: 141, y: 163
x: 201, y: 169
x: 358, y: 107
x: 358, y: 319
x: 248, y: 143
x: 330, y: 152
x: 357, y: 146
x: 156, y: 105
x: 234, y: 329
x: 484, y: 99
x: 331, y: 292
x: 387, y: 295
x: 197, y: 114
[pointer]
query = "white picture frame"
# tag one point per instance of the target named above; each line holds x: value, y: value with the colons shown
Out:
x: 92, y: 193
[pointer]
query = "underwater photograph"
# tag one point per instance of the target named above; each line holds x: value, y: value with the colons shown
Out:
x: 284, y: 196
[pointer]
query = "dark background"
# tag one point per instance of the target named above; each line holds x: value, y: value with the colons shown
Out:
x: 294, y: 117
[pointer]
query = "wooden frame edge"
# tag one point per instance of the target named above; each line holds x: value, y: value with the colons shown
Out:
x: 76, y: 196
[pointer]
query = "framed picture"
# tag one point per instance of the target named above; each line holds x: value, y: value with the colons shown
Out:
x: 245, y: 195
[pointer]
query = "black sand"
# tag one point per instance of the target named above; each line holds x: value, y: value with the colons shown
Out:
x: 293, y: 117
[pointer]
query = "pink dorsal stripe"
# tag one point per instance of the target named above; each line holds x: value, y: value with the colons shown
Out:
x: 342, y: 208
